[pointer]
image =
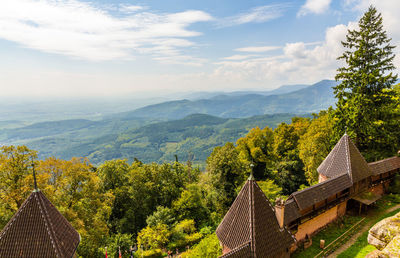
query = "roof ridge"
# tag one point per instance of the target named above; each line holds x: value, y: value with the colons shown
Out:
x: 38, y: 229
x: 349, y: 171
x: 48, y: 224
x: 252, y: 224
x: 68, y: 224
x: 313, y: 186
x: 382, y: 160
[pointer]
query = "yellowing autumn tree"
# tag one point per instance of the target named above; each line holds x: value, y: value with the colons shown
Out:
x: 76, y: 190
x: 15, y: 179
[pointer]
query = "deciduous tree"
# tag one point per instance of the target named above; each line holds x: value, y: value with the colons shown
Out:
x: 227, y: 172
x: 257, y: 148
x: 16, y: 181
x: 316, y: 144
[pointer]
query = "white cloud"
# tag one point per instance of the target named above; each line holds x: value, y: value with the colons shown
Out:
x: 308, y: 62
x: 258, y: 14
x: 130, y: 8
x: 82, y: 30
x: 295, y: 50
x: 181, y: 59
x: 258, y: 49
x: 314, y: 6
x: 300, y: 62
x: 238, y: 57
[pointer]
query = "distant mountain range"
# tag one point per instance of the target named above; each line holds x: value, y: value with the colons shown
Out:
x: 281, y: 90
x: 155, y: 133
x: 305, y: 100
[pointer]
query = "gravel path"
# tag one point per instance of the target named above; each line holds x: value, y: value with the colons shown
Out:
x: 353, y: 239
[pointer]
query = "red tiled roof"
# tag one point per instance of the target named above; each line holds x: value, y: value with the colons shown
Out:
x: 385, y: 165
x: 345, y: 158
x: 252, y: 219
x: 38, y: 230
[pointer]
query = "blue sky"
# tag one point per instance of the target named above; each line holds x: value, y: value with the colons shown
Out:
x: 113, y: 48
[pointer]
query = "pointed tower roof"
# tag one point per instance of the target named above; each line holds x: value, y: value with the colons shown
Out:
x: 250, y: 227
x: 345, y: 158
x: 38, y: 230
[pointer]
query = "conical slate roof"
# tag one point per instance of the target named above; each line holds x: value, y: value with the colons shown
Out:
x: 345, y: 158
x: 38, y: 230
x: 250, y: 227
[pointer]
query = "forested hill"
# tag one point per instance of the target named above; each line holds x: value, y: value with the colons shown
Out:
x: 155, y: 133
x: 306, y: 100
x: 193, y: 137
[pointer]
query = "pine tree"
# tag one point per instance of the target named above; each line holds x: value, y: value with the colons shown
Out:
x: 365, y: 95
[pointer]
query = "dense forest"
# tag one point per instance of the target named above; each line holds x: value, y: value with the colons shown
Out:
x: 161, y: 207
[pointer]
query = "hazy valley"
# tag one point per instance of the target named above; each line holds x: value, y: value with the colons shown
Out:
x: 189, y: 128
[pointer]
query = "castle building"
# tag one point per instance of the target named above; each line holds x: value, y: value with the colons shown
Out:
x: 346, y: 181
x: 250, y: 227
x: 38, y: 229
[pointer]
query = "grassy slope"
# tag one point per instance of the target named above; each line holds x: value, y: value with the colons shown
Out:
x: 361, y: 247
x: 330, y: 233
x: 335, y: 229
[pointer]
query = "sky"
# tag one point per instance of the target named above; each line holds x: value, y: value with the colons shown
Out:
x: 79, y: 48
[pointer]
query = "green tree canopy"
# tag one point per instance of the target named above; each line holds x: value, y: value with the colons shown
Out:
x: 256, y: 147
x: 364, y: 96
x: 153, y: 237
x: 190, y: 205
x: 163, y: 215
x: 288, y: 170
x: 316, y: 144
x: 209, y: 247
x: 226, y: 173
x: 270, y: 189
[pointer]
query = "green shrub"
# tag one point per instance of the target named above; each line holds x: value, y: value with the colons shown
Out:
x: 153, y: 253
x: 209, y: 247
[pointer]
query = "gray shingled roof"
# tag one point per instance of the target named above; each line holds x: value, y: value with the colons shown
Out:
x: 251, y: 218
x: 321, y: 191
x: 291, y: 212
x: 241, y: 251
x: 345, y: 158
x: 38, y: 230
x: 385, y: 165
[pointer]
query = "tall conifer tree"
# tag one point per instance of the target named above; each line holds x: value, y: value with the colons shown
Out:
x: 365, y: 96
